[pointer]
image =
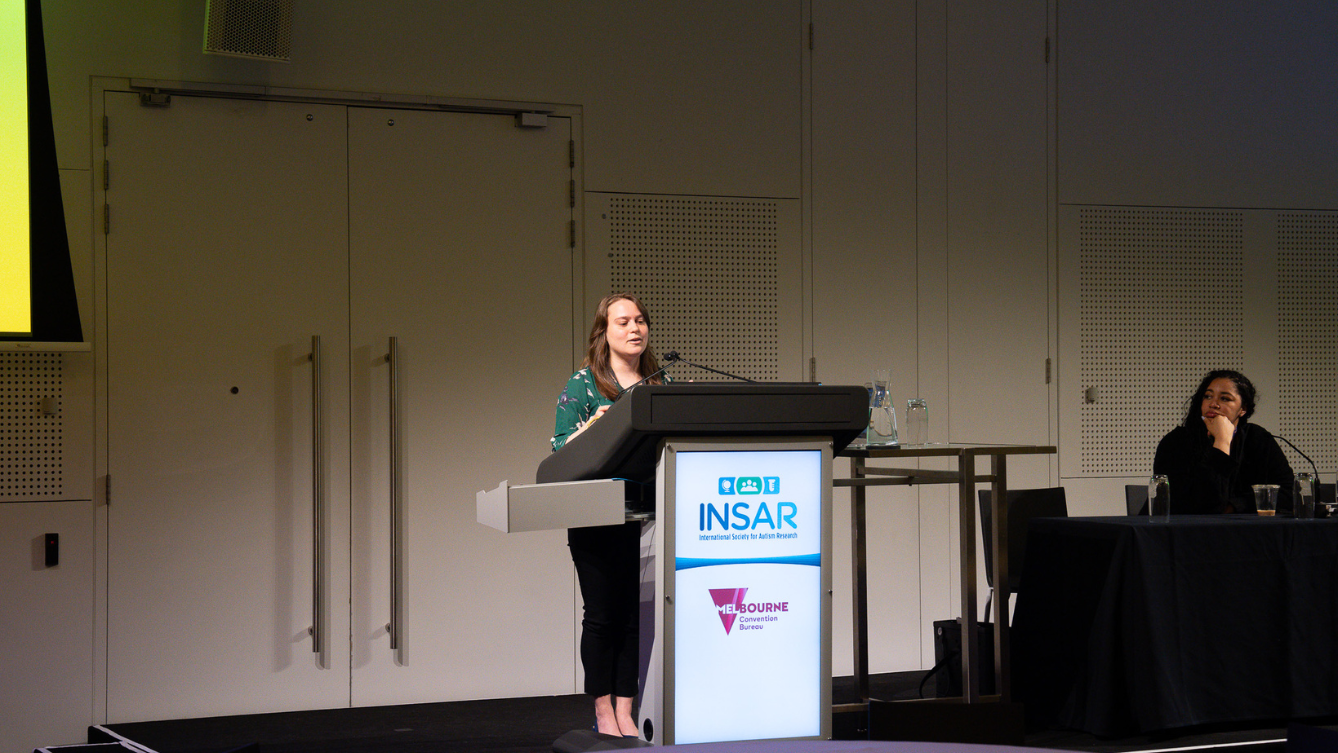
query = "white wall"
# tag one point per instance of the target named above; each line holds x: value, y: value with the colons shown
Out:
x: 1198, y: 104
x: 678, y: 97
x: 864, y: 277
x: 47, y: 694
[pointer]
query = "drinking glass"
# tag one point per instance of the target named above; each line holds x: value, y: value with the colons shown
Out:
x: 917, y: 421
x: 1303, y: 496
x: 1159, y: 498
x: 882, y: 415
x: 1266, y: 499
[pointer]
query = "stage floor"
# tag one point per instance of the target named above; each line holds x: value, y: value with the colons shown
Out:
x: 530, y: 725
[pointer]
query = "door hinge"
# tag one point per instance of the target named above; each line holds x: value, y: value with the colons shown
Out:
x: 571, y: 193
x: 106, y: 219
x: 571, y: 153
x: 106, y: 491
x: 1047, y: 371
x: 106, y: 174
x: 572, y: 238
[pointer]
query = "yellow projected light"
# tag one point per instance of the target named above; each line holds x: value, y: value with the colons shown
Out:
x: 15, y: 292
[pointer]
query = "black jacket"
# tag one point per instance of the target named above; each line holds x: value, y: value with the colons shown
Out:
x: 1206, y: 480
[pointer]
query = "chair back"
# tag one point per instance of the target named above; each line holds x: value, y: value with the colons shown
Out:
x: 1136, y: 498
x: 1023, y: 505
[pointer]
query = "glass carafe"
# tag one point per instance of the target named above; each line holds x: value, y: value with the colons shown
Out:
x: 882, y: 415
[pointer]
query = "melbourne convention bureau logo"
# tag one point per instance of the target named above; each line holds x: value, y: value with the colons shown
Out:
x: 751, y: 615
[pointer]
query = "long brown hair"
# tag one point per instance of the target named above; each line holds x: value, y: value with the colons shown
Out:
x: 597, y: 349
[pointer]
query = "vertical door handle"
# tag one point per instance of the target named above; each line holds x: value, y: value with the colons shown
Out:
x: 396, y: 627
x: 317, y: 503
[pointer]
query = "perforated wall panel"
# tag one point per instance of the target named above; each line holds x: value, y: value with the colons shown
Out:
x: 1150, y: 320
x: 258, y: 29
x: 1308, y: 336
x: 709, y: 268
x: 31, y: 463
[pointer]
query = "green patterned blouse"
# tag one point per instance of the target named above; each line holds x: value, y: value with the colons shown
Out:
x: 578, y: 402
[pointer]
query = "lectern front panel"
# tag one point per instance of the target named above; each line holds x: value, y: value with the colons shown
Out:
x: 746, y: 632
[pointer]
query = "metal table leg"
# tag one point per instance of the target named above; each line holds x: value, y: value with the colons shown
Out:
x: 860, y: 595
x: 966, y: 487
x: 999, y: 534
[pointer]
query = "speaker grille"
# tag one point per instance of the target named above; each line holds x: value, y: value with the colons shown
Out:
x: 31, y: 461
x: 261, y: 29
x: 1151, y: 323
x: 708, y: 269
x: 1308, y: 337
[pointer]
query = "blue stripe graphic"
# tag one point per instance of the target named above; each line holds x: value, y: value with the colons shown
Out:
x: 687, y: 563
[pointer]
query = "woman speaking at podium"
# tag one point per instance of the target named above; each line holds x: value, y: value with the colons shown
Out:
x: 1215, y: 456
x: 607, y: 558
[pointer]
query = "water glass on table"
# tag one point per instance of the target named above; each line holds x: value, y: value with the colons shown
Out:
x: 917, y: 421
x: 1159, y: 498
x: 1266, y: 499
x: 1303, y: 496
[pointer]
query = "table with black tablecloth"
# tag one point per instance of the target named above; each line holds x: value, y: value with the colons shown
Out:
x: 1130, y: 625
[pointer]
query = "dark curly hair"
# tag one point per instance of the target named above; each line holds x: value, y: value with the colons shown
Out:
x: 1248, y: 395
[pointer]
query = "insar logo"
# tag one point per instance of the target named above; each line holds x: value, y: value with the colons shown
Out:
x: 729, y: 603
x: 750, y: 484
x: 740, y: 516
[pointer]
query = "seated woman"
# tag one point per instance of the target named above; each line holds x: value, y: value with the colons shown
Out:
x: 1215, y: 456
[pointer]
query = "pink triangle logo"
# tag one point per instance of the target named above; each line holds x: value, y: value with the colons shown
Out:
x: 729, y: 602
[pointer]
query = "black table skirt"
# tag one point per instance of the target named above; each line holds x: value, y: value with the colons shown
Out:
x: 1129, y: 625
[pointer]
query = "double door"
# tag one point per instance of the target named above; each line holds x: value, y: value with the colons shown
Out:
x: 278, y: 512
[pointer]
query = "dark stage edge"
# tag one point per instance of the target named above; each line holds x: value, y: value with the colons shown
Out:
x: 531, y: 725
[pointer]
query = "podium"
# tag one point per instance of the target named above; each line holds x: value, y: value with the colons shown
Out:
x: 736, y: 547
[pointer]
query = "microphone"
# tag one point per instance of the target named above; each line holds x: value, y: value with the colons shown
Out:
x: 714, y: 371
x: 1298, y: 452
x: 670, y: 359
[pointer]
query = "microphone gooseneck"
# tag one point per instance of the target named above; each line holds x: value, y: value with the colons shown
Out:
x: 670, y: 359
x: 1313, y: 467
x: 716, y: 371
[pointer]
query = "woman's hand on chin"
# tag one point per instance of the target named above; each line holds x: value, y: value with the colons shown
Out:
x: 1221, y: 430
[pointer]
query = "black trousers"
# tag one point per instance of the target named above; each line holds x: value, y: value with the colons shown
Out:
x: 607, y: 560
